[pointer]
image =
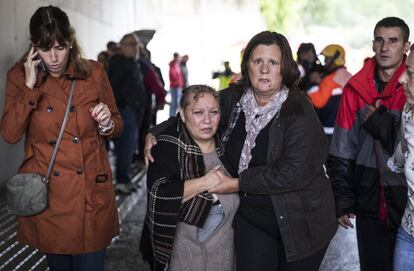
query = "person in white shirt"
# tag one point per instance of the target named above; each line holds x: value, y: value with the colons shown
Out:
x: 403, y: 162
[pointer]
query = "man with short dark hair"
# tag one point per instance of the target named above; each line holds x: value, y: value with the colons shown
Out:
x: 364, y: 138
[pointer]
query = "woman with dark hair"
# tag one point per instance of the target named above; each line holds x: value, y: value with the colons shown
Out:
x: 186, y: 227
x: 81, y: 217
x: 276, y: 149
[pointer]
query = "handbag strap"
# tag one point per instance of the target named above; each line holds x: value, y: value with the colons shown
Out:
x: 62, y: 129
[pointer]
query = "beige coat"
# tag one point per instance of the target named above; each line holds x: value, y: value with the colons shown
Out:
x: 81, y: 216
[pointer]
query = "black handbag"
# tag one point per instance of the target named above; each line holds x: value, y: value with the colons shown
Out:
x: 27, y: 192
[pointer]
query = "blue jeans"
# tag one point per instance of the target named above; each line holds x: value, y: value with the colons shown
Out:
x: 175, y: 100
x: 126, y: 143
x: 215, y: 216
x: 404, y: 251
x: 82, y: 262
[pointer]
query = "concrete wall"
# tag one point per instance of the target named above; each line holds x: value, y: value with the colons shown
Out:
x: 96, y: 22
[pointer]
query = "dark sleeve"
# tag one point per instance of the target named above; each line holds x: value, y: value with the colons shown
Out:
x: 164, y: 196
x: 161, y: 127
x: 118, y: 78
x: 340, y: 172
x: 127, y: 84
x: 302, y: 156
x: 383, y: 126
x: 165, y: 168
x: 116, y: 75
x: 107, y: 97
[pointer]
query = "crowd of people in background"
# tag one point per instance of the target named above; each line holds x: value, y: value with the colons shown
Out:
x: 138, y: 88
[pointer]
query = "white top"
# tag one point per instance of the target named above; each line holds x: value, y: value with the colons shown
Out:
x: 402, y: 161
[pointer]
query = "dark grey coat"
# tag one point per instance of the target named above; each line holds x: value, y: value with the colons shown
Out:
x: 294, y: 175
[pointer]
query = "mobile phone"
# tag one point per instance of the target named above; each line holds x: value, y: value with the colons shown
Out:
x: 41, y: 66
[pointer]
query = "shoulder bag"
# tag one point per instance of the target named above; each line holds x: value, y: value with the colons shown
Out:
x: 27, y: 192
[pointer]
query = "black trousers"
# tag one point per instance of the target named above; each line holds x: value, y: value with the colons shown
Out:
x: 257, y: 250
x: 375, y: 244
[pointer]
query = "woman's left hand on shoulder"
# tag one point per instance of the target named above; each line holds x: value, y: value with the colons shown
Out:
x: 101, y: 114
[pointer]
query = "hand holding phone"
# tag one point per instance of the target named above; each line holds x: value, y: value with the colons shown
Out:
x: 32, y: 66
x: 41, y: 65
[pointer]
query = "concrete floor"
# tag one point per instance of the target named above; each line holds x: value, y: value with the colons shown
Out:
x: 342, y: 253
x: 123, y: 253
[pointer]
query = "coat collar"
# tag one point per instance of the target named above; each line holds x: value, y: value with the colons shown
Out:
x: 59, y: 87
x: 72, y: 73
x: 364, y: 83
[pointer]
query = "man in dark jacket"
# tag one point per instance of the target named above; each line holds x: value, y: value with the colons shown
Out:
x: 130, y: 94
x: 364, y: 138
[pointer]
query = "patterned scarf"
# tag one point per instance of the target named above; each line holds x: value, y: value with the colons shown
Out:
x: 195, y: 210
x: 257, y: 118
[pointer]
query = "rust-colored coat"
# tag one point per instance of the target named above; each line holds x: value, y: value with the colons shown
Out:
x: 81, y: 216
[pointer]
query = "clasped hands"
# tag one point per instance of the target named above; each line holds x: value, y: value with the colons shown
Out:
x: 219, y: 182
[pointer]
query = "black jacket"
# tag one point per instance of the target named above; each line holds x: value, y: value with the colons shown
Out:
x: 294, y: 175
x: 127, y: 83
